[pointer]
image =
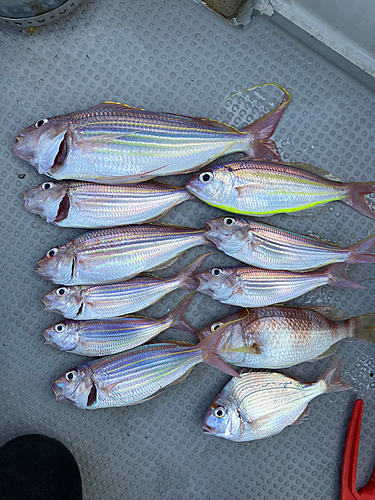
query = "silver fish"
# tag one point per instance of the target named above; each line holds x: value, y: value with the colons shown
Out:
x: 111, y: 336
x: 110, y: 255
x: 269, y: 247
x: 258, y: 405
x: 262, y: 188
x: 279, y: 336
x: 110, y: 301
x: 253, y: 287
x: 113, y: 143
x: 134, y: 376
x: 81, y: 204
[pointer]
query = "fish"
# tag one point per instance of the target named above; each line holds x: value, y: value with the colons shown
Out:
x: 94, y: 206
x: 111, y: 336
x: 257, y: 405
x: 268, y: 247
x: 136, y: 375
x: 115, y: 254
x: 278, y: 336
x: 263, y: 188
x: 253, y: 287
x: 117, y: 299
x: 112, y: 143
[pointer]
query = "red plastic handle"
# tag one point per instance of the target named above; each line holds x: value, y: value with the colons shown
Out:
x: 350, y: 462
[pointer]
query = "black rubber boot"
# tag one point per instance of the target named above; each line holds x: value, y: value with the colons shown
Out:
x: 35, y: 467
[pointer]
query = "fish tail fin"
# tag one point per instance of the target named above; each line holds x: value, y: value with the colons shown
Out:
x: 358, y: 251
x: 332, y: 378
x: 177, y: 315
x: 262, y: 129
x: 187, y: 277
x: 357, y: 199
x: 337, y: 276
x: 209, y: 346
x: 364, y: 327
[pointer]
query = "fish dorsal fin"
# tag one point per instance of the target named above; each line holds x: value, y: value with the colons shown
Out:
x: 112, y: 106
x: 328, y: 352
x: 312, y: 169
x: 220, y: 125
x: 333, y: 313
x: 315, y: 170
x: 302, y: 417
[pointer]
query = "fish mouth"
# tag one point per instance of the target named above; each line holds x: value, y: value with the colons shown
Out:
x: 207, y: 429
x: 49, y: 340
x: 58, y: 396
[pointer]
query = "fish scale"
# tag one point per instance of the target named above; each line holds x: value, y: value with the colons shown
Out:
x: 80, y: 204
x: 257, y: 405
x: 111, y: 255
x: 282, y: 336
x: 115, y: 144
x: 263, y: 188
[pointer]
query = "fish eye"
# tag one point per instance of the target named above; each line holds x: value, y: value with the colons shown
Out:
x: 219, y: 412
x: 51, y: 253
x: 70, y: 376
x: 61, y: 291
x: 40, y: 123
x: 216, y: 271
x: 47, y: 185
x: 206, y: 177
x: 215, y: 326
x: 228, y: 221
x: 60, y: 327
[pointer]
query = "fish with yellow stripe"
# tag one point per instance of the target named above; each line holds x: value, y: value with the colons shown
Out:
x: 262, y: 188
x: 137, y: 375
x: 112, y: 143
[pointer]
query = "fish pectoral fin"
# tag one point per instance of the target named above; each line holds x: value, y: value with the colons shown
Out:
x: 251, y: 349
x: 302, y: 417
x: 114, y: 106
x: 107, y: 389
x: 89, y: 144
x: 333, y: 313
x: 326, y: 353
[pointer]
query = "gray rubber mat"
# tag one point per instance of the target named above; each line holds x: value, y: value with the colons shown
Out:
x: 176, y: 56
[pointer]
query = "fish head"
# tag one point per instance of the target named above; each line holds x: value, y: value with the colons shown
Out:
x: 58, y: 264
x: 222, y: 418
x: 63, y: 335
x: 49, y: 200
x: 67, y: 301
x: 44, y: 144
x: 211, y: 185
x: 77, y: 386
x: 217, y: 283
x: 230, y: 233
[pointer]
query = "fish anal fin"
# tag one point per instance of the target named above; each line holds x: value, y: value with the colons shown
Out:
x: 183, y: 377
x: 302, y: 417
x: 326, y: 353
x: 165, y: 264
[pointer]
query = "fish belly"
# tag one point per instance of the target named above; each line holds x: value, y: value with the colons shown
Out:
x: 137, y: 159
